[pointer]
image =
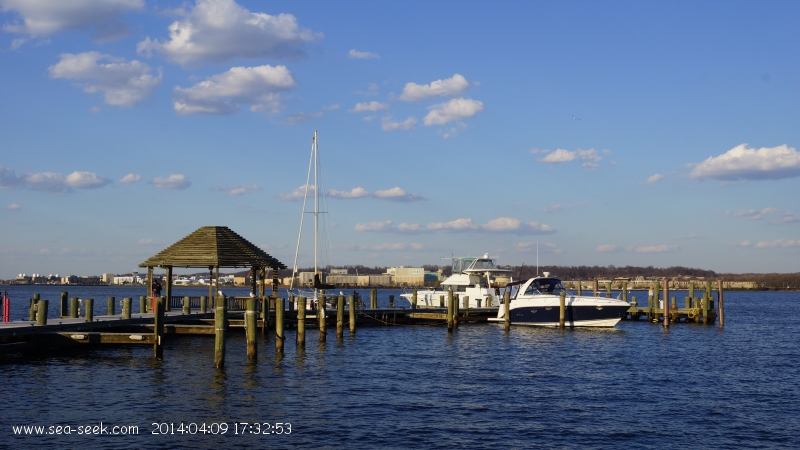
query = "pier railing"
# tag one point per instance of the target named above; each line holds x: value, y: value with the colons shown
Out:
x: 233, y: 303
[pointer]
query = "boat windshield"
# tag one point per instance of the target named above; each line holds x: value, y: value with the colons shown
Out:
x: 461, y: 264
x: 482, y: 264
x: 545, y: 286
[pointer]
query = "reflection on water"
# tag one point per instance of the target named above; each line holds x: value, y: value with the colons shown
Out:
x: 635, y: 386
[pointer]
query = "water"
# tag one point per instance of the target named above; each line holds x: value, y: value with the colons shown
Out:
x: 635, y: 386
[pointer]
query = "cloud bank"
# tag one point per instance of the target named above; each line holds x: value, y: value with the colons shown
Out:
x: 743, y: 163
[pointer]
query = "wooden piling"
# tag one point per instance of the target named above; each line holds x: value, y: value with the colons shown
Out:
x: 656, y: 294
x: 73, y: 308
x: 301, y: 322
x: 126, y: 307
x: 666, y: 303
x: 391, y: 301
x: 41, y: 312
x: 506, y: 310
x: 112, y: 307
x: 562, y: 306
x: 158, y: 329
x: 142, y: 304
x: 352, y: 299
x: 633, y: 301
x: 450, y: 312
x: 580, y: 288
x: 456, y: 310
x: 625, y: 291
x: 414, y: 299
x: 203, y: 307
x: 691, y: 294
x: 705, y: 302
x: 489, y: 301
x: 220, y: 331
x: 250, y: 319
x: 466, y: 303
x: 187, y: 307
x: 720, y: 308
x: 89, y: 309
x: 64, y: 301
x: 32, y: 310
x: 340, y: 317
x: 608, y: 289
x: 596, y: 287
x: 373, y: 298
x: 441, y: 301
x: 279, y: 334
x: 321, y: 316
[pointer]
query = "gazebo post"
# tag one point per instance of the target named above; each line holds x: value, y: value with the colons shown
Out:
x: 168, y: 288
x: 216, y: 293
x: 149, y: 285
x: 210, y: 284
x: 253, y: 280
x: 262, y: 307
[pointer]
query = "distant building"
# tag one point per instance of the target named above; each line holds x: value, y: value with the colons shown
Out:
x: 107, y: 278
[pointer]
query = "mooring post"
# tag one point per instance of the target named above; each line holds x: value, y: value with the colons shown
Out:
x: 707, y: 302
x: 321, y: 317
x: 250, y: 319
x: 656, y: 300
x: 142, y: 304
x: 203, y: 307
x: 666, y: 302
x: 340, y: 317
x: 580, y: 288
x: 187, y: 307
x: 279, y: 335
x: 691, y: 295
x: 32, y: 312
x: 158, y: 329
x: 414, y: 299
x: 596, y: 287
x: 562, y: 306
x: 41, y: 312
x: 89, y: 309
x: 352, y: 299
x: 625, y: 291
x: 73, y: 307
x: 456, y: 310
x: 64, y: 305
x: 466, y: 303
x: 634, y: 302
x: 441, y: 301
x: 450, y: 312
x: 301, y: 322
x: 506, y: 310
x: 112, y: 310
x: 488, y: 301
x: 373, y: 298
x: 391, y: 301
x: 126, y: 307
x: 220, y: 331
x: 720, y: 309
x: 608, y: 289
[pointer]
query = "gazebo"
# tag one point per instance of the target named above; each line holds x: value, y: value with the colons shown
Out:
x: 213, y: 247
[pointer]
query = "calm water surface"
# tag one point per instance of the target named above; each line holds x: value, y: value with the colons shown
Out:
x: 635, y: 386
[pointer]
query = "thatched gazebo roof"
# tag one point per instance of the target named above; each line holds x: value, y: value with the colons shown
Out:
x: 213, y: 246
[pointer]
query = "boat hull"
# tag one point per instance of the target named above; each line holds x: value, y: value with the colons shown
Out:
x: 599, y: 313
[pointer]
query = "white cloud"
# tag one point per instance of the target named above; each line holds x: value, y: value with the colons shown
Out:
x: 86, y: 180
x: 607, y: 248
x: 356, y: 192
x: 122, y: 83
x: 745, y: 163
x: 371, y: 106
x: 130, y: 178
x: 13, y: 207
x: 46, y: 181
x: 374, y: 226
x: 755, y: 214
x: 239, y: 190
x: 388, y: 124
x: 455, y: 109
x: 301, y: 117
x: 297, y: 194
x: 175, y: 181
x: 787, y: 218
x: 656, y: 249
x: 9, y: 179
x: 223, y: 93
x: 589, y: 158
x: 654, y: 178
x: 217, y: 31
x: 499, y: 225
x: 450, y: 87
x: 397, y: 194
x: 355, y: 54
x: 780, y: 243
x: 46, y: 17
x: 146, y: 241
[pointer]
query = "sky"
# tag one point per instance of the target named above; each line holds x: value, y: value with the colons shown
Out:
x: 603, y: 133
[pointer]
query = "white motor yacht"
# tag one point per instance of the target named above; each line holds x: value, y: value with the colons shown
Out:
x: 537, y: 302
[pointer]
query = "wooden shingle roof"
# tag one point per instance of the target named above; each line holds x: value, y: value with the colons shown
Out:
x: 213, y: 246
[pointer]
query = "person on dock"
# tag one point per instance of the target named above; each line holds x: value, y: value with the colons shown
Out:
x: 156, y: 288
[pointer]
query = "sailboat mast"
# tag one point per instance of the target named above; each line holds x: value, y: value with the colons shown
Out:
x: 316, y: 203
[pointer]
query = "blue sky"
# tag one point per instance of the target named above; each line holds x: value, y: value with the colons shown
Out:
x: 642, y: 133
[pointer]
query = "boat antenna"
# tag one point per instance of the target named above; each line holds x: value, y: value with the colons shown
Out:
x: 537, y: 258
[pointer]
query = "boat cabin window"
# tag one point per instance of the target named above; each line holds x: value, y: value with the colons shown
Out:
x: 545, y: 286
